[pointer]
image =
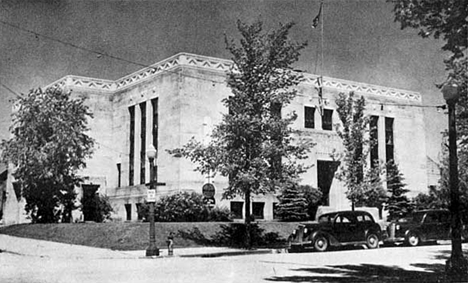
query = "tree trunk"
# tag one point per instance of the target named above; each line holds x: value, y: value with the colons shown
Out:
x: 248, y: 239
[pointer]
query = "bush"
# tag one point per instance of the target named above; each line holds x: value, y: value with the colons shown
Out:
x: 234, y: 235
x: 185, y: 207
x: 298, y: 202
x: 104, y: 208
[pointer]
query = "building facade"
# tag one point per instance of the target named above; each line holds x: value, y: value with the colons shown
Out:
x: 176, y: 99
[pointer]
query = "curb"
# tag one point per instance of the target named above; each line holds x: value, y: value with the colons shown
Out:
x: 237, y: 253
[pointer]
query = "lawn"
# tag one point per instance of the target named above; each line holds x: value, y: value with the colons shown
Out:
x: 133, y: 236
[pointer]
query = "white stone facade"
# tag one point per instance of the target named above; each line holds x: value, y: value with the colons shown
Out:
x: 189, y: 89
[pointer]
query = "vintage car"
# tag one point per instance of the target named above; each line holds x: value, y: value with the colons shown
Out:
x: 421, y: 226
x: 337, y: 229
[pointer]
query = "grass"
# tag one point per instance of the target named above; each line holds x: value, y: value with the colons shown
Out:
x: 131, y: 235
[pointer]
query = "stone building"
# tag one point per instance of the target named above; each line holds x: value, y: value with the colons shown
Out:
x: 176, y: 99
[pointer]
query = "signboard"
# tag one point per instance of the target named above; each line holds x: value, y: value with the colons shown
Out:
x: 208, y: 190
x: 151, y: 196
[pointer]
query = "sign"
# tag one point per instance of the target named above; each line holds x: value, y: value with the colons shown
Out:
x: 151, y: 196
x: 208, y: 190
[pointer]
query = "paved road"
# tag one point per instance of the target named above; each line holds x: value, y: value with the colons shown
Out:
x: 396, y: 264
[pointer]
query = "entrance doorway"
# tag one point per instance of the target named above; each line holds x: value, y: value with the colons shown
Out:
x: 325, y: 174
x: 90, y: 202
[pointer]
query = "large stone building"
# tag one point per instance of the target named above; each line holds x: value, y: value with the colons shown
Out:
x: 179, y: 98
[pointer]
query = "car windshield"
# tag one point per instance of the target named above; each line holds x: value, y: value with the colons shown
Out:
x: 415, y: 217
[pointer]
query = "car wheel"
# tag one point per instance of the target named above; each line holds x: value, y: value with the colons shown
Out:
x: 413, y: 239
x: 372, y: 241
x: 321, y: 243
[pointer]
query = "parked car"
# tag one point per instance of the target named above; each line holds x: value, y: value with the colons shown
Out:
x: 337, y: 229
x: 421, y: 226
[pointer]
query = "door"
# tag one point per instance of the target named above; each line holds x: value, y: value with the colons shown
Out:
x: 325, y: 174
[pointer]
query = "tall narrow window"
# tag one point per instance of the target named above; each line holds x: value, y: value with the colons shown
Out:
x: 154, y: 103
x: 131, y: 161
x: 128, y: 210
x: 119, y: 175
x: 309, y: 117
x: 374, y: 138
x: 327, y: 119
x: 143, y: 143
x: 389, y: 145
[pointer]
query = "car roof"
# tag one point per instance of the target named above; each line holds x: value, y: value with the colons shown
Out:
x: 355, y: 212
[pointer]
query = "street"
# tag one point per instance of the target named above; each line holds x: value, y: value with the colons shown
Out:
x: 387, y: 264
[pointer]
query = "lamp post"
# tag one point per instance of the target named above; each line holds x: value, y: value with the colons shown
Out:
x: 456, y: 266
x: 152, y: 250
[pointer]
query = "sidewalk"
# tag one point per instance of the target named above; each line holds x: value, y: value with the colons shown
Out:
x: 40, y: 248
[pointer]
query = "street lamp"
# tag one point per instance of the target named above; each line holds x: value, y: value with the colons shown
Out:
x: 152, y: 250
x: 456, y: 266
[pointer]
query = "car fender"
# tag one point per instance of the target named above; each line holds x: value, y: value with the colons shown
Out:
x: 415, y: 231
x: 331, y: 239
x: 373, y: 231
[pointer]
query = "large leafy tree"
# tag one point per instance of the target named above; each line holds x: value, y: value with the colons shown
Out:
x: 48, y: 146
x: 446, y: 20
x: 254, y: 145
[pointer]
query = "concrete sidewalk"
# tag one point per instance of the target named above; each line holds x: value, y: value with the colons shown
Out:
x: 40, y: 248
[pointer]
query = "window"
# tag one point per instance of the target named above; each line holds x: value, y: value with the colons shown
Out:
x: 143, y: 143
x: 374, y: 137
x: 327, y: 120
x: 139, y: 211
x: 275, y: 208
x: 128, y: 210
x: 389, y: 146
x: 119, y: 175
x: 154, y: 103
x: 275, y: 109
x: 236, y: 209
x: 309, y: 117
x: 257, y: 209
x: 131, y: 166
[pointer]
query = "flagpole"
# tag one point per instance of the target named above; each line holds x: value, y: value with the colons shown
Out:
x: 321, y: 40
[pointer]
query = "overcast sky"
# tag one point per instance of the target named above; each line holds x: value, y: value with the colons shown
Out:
x: 361, y: 42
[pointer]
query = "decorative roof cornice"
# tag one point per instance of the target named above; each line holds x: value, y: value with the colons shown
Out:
x: 222, y: 66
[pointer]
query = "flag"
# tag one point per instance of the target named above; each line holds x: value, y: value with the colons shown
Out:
x: 319, y: 89
x: 316, y: 20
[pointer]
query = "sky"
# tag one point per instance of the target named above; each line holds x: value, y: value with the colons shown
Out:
x: 42, y: 41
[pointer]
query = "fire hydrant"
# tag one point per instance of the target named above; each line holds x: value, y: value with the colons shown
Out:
x: 170, y: 244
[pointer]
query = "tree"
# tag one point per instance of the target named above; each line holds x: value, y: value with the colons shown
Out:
x: 254, y: 145
x: 352, y: 131
x: 446, y: 19
x: 293, y: 204
x: 48, y: 146
x: 398, y: 204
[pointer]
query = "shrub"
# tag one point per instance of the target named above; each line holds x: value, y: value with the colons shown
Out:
x: 185, y: 207
x: 234, y: 235
x: 298, y: 202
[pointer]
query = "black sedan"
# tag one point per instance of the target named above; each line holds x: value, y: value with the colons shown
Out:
x: 337, y: 229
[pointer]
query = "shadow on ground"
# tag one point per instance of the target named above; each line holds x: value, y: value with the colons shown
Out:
x: 366, y: 273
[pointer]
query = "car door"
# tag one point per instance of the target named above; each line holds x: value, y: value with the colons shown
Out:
x: 435, y: 226
x: 345, y: 228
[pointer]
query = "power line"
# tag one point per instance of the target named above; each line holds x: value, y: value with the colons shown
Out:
x: 10, y: 90
x: 36, y: 34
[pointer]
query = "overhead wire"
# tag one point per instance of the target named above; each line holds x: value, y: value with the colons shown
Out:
x: 169, y: 71
x: 37, y: 34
